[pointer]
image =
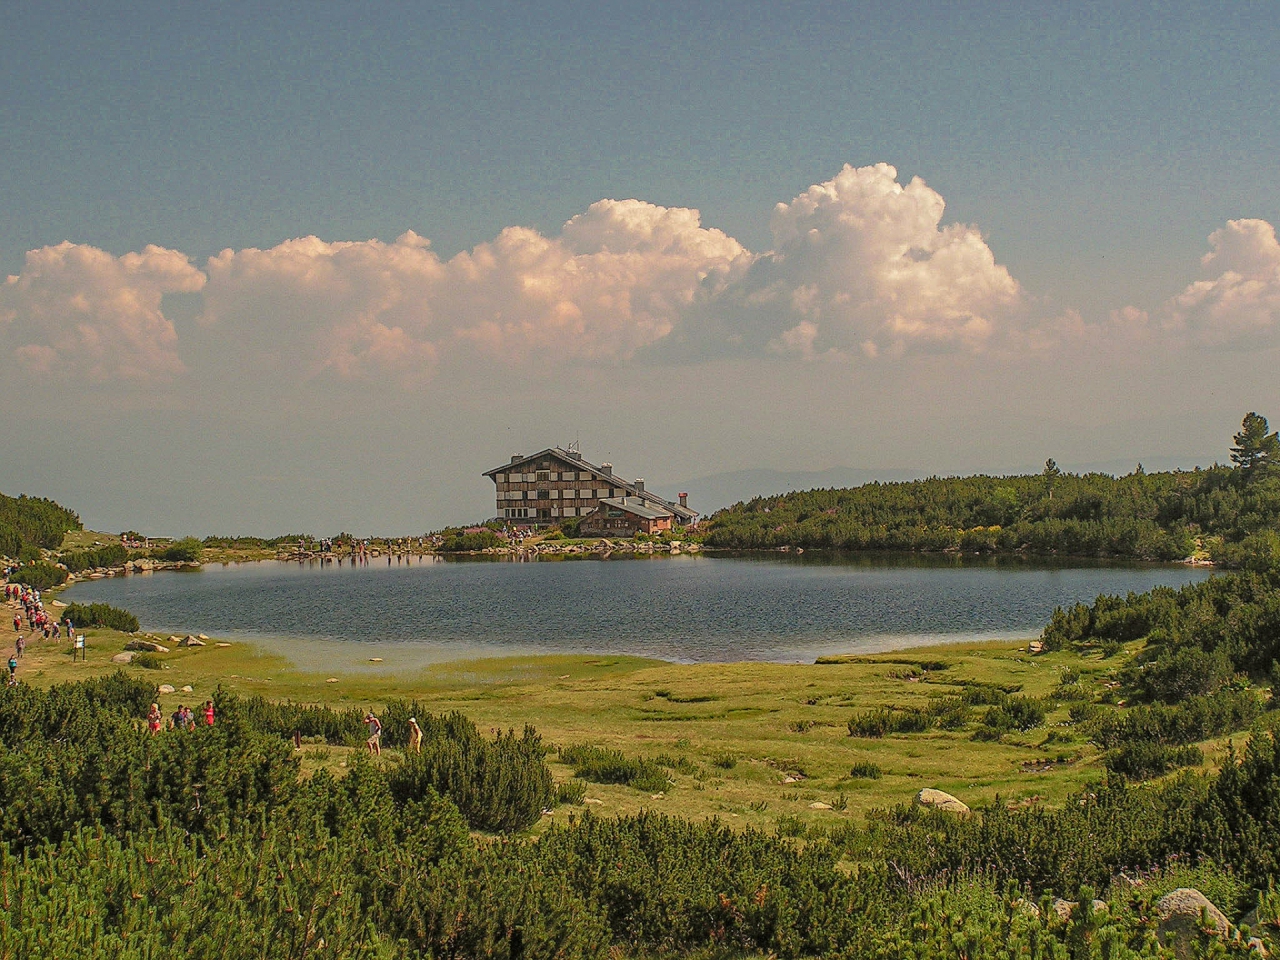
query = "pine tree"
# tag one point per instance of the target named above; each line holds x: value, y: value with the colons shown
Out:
x: 1255, y: 449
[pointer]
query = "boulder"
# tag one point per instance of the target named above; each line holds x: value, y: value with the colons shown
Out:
x: 819, y: 805
x: 188, y: 689
x: 1063, y: 908
x: 937, y: 800
x: 223, y: 644
x: 190, y: 641
x: 1026, y: 907
x: 201, y: 636
x: 165, y: 688
x: 1180, y: 913
x: 122, y: 658
x: 147, y: 646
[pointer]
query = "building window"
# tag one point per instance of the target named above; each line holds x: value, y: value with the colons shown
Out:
x: 543, y: 476
x: 544, y: 494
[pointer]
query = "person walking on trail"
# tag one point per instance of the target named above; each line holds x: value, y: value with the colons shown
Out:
x: 154, y: 719
x: 13, y: 671
x: 374, y: 742
x: 415, y: 736
x: 208, y: 713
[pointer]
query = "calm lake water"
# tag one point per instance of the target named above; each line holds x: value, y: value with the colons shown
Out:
x: 683, y: 609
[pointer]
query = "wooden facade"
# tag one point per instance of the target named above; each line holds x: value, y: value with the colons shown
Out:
x: 557, y: 484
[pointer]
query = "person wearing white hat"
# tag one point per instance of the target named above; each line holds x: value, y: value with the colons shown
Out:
x: 374, y: 743
x: 415, y: 736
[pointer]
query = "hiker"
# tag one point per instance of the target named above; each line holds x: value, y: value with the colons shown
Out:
x: 154, y: 719
x: 13, y: 671
x: 208, y: 713
x: 415, y: 736
x: 374, y: 743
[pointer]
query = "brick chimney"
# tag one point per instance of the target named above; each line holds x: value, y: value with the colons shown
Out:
x: 606, y: 469
x: 639, y: 484
x: 684, y: 500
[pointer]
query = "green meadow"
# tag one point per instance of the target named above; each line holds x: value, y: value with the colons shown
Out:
x: 748, y: 743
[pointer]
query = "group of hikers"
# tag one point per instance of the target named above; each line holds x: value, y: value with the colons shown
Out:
x: 374, y: 743
x: 184, y: 718
x: 30, y: 607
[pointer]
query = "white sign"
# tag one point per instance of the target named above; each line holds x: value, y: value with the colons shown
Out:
x: 80, y: 642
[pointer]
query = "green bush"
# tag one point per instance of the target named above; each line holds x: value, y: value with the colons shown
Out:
x: 112, y: 555
x: 571, y: 792
x: 149, y: 661
x: 1016, y: 713
x: 1189, y: 721
x: 459, y: 542
x: 39, y: 576
x: 186, y: 550
x: 610, y: 766
x: 883, y: 721
x: 865, y: 770
x: 100, y: 615
x: 1142, y: 760
x: 500, y: 784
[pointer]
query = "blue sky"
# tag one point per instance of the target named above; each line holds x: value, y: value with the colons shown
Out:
x: 1092, y: 150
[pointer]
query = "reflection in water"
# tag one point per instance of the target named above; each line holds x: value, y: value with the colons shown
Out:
x: 685, y: 608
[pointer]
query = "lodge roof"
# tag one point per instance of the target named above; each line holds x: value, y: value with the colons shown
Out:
x: 573, y: 457
x: 636, y: 506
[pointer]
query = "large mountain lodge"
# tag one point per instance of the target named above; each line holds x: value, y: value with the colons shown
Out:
x: 558, y: 483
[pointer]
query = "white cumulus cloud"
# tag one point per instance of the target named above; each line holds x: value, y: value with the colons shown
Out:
x: 86, y: 313
x: 863, y: 264
x: 1240, y: 304
x: 617, y: 278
